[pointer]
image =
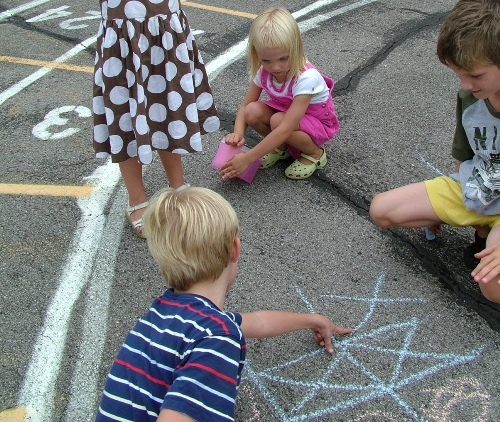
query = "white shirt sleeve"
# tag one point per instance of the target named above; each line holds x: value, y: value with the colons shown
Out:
x: 311, y: 83
x: 256, y: 79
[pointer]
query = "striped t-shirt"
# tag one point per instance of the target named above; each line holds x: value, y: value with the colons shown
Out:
x: 185, y: 354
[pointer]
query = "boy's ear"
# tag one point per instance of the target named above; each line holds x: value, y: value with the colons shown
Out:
x: 235, y: 253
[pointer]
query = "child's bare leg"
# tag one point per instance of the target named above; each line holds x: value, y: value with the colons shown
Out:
x: 487, y: 273
x: 475, y: 247
x: 407, y: 206
x: 172, y: 163
x: 258, y: 117
x: 303, y: 142
x: 482, y: 231
x: 299, y: 140
x: 131, y: 171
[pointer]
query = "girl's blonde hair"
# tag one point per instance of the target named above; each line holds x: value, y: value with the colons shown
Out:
x: 190, y: 234
x: 276, y: 28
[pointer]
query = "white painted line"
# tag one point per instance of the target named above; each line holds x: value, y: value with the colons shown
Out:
x: 18, y: 87
x: 313, y: 22
x: 8, y: 13
x: 313, y: 7
x: 84, y: 383
x: 217, y: 65
x: 37, y: 392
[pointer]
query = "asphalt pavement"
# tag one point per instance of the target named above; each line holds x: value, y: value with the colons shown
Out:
x: 74, y: 277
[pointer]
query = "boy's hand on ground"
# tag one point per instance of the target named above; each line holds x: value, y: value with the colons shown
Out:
x: 489, y: 267
x: 234, y: 139
x: 324, y: 331
x: 235, y: 166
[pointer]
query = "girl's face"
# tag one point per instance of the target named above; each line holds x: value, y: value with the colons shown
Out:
x: 275, y: 61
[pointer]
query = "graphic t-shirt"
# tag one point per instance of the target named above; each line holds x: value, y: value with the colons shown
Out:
x: 477, y: 144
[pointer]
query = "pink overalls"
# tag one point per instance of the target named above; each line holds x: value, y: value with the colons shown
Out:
x: 320, y: 121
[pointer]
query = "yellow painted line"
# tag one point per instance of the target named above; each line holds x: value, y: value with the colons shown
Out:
x: 45, y: 190
x: 42, y: 63
x: 219, y: 9
x: 15, y: 414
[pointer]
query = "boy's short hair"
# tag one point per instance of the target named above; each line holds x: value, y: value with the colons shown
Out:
x: 190, y: 234
x: 471, y: 35
x: 275, y: 27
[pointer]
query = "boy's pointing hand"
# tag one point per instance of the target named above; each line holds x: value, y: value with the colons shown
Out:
x: 324, y: 331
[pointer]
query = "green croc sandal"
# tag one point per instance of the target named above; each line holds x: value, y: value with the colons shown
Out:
x: 272, y: 158
x: 298, y: 170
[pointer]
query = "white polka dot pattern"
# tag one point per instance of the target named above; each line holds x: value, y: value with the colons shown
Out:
x: 135, y: 10
x: 98, y: 105
x: 151, y: 90
x: 159, y: 140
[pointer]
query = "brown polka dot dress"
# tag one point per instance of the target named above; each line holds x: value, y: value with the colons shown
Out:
x: 151, y: 89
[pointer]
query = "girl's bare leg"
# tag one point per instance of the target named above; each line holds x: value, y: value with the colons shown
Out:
x: 299, y: 140
x: 258, y: 117
x: 131, y: 171
x: 303, y: 142
x: 407, y: 206
x: 172, y: 163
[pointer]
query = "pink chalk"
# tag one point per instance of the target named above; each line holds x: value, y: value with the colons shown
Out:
x: 226, y: 152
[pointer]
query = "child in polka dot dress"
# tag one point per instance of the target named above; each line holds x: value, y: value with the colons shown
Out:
x: 299, y: 115
x: 151, y: 92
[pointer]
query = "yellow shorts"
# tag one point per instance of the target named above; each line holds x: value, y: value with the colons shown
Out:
x: 445, y: 195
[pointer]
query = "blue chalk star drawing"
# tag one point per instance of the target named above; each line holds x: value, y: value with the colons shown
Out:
x: 406, y: 366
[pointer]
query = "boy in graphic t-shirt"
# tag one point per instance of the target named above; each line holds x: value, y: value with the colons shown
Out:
x: 469, y: 44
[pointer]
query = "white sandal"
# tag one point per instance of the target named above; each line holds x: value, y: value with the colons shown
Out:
x: 184, y: 186
x: 137, y: 224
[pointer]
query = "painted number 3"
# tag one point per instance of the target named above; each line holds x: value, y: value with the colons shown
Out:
x: 53, y: 118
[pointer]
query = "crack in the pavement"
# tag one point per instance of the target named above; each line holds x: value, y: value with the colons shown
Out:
x: 407, y: 30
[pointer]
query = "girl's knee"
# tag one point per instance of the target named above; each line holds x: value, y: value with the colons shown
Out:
x: 253, y: 113
x: 276, y: 119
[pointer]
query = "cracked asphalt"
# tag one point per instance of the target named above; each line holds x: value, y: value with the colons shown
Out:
x: 425, y: 344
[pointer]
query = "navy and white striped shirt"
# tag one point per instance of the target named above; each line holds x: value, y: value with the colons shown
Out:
x: 185, y: 354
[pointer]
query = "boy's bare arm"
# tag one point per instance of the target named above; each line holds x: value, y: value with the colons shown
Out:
x: 167, y: 415
x: 263, y: 324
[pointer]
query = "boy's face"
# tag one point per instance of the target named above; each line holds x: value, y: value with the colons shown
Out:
x: 483, y: 81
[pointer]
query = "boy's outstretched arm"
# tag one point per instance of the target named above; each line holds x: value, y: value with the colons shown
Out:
x: 263, y: 324
x: 168, y: 415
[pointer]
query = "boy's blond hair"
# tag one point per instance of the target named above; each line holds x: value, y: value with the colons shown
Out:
x: 276, y: 28
x: 190, y: 234
x: 471, y: 35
